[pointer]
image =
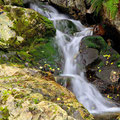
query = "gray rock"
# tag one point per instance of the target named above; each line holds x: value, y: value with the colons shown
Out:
x: 76, y: 8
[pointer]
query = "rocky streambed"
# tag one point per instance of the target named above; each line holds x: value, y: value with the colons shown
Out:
x: 26, y: 52
x: 28, y: 60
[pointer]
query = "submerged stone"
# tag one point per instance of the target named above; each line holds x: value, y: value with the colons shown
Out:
x: 66, y: 26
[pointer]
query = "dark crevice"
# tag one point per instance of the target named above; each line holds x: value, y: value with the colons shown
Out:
x: 92, y: 19
x: 114, y: 35
x: 27, y: 5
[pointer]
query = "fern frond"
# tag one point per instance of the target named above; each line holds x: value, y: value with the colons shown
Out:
x: 112, y: 8
x: 111, y: 5
x: 97, y: 5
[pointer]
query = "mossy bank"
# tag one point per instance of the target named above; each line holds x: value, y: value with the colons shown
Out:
x: 28, y: 38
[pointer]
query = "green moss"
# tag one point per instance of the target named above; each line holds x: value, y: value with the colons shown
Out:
x: 4, y: 113
x: 18, y: 103
x: 96, y: 42
x: 36, y: 101
x: 44, y: 52
x: 1, y: 2
x: 114, y: 57
x: 24, y: 56
x: 50, y: 30
x: 38, y: 51
x: 118, y: 63
x: 5, y: 95
x: 33, y: 43
x: 29, y: 24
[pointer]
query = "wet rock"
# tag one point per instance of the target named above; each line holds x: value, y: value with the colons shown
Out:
x: 102, y: 66
x: 75, y: 8
x: 66, y: 26
x: 107, y: 116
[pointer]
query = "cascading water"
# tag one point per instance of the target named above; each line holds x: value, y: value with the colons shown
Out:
x: 69, y: 44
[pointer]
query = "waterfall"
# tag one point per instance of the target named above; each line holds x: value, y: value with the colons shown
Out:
x: 69, y: 44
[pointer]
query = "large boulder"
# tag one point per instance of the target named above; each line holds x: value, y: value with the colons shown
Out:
x: 22, y: 24
x: 26, y: 38
x: 25, y: 94
x: 102, y: 64
x: 76, y: 8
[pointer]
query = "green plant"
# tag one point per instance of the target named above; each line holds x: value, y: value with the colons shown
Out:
x: 115, y: 57
x: 101, y: 64
x: 111, y: 6
x: 118, y: 63
x: 97, y: 5
x: 5, y: 95
x: 4, y: 113
x: 36, y: 101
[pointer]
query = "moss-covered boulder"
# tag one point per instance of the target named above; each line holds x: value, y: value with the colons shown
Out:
x: 22, y: 24
x: 25, y: 94
x: 26, y: 38
x: 102, y: 64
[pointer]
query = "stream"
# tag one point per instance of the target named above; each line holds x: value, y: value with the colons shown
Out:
x: 69, y: 44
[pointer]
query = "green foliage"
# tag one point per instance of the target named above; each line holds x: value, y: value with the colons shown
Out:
x: 36, y: 101
x: 118, y: 63
x: 4, y: 113
x: 97, y: 5
x: 111, y: 5
x: 114, y: 57
x: 5, y: 95
x: 101, y: 64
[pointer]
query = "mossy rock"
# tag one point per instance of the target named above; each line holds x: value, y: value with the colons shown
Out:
x: 30, y: 95
x: 96, y: 42
x: 107, y: 60
x: 66, y: 26
x: 22, y: 24
x: 75, y: 8
x: 28, y: 39
x: 13, y: 2
x: 40, y: 52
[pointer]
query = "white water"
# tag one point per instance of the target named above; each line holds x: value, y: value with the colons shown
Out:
x: 85, y: 92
